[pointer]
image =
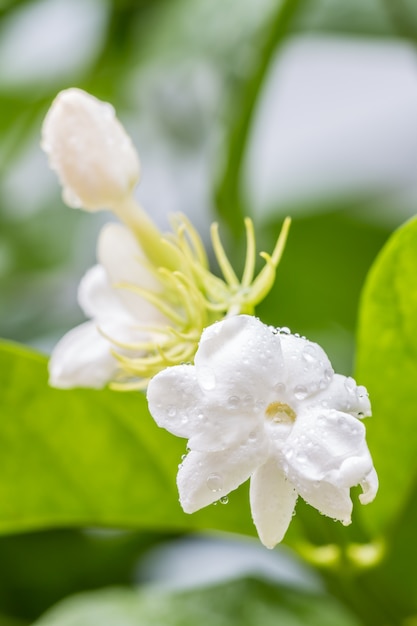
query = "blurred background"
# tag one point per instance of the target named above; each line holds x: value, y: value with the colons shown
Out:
x: 305, y: 108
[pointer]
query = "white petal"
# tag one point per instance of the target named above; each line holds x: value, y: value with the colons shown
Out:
x: 178, y: 404
x: 272, y: 499
x: 205, y: 477
x: 96, y: 297
x: 239, y: 357
x: 370, y: 487
x: 330, y: 446
x: 344, y: 395
x: 82, y: 358
x: 326, y: 455
x: 332, y: 501
x: 104, y: 304
x: 307, y: 369
x: 120, y: 254
x: 90, y: 150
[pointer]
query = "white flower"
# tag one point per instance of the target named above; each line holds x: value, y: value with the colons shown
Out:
x: 268, y: 406
x: 83, y: 357
x: 90, y: 150
x: 151, y: 294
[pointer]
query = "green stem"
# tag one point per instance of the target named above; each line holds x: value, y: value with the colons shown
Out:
x: 230, y: 204
x: 148, y: 235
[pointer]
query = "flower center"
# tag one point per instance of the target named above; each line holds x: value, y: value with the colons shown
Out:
x: 280, y: 413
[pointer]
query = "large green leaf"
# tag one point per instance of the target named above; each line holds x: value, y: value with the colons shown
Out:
x: 238, y: 603
x: 387, y: 365
x: 84, y: 457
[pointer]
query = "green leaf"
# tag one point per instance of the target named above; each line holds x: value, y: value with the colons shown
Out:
x: 387, y: 365
x: 320, y: 277
x: 84, y: 457
x: 238, y: 603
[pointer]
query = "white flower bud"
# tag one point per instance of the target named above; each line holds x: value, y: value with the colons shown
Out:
x: 93, y: 156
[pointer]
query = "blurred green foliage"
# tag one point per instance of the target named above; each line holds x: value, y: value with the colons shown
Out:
x: 237, y: 603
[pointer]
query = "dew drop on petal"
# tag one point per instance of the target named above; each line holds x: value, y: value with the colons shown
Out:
x: 301, y: 458
x: 280, y: 388
x: 233, y: 402
x: 214, y: 482
x: 247, y: 401
x: 300, y: 392
x: 350, y: 385
x: 309, y: 353
x: 362, y: 391
x: 224, y: 500
x: 284, y: 330
x: 172, y: 411
x: 328, y: 374
x: 259, y: 405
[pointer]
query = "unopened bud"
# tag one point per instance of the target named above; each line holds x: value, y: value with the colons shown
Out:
x: 89, y: 149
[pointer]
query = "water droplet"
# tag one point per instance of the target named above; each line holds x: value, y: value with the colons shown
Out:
x: 252, y: 437
x: 310, y: 353
x: 321, y: 420
x: 328, y: 374
x: 233, y: 402
x: 280, y: 388
x: 259, y: 405
x: 247, y: 401
x: 224, y: 500
x: 172, y: 411
x: 214, y: 482
x: 301, y: 458
x: 350, y: 385
x: 300, y: 392
x: 342, y: 423
x: 284, y: 330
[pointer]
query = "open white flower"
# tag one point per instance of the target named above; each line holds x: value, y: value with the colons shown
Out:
x: 266, y: 405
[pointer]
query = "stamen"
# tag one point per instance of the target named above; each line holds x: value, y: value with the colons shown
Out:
x: 249, y: 269
x: 154, y: 299
x: 223, y: 261
x: 280, y: 412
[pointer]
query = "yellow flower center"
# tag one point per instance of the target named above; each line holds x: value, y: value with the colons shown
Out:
x: 280, y: 413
